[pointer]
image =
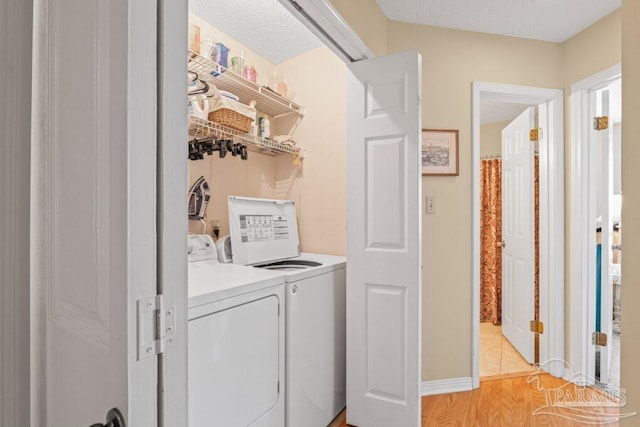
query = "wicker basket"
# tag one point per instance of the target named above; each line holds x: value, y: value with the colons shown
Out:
x: 232, y: 119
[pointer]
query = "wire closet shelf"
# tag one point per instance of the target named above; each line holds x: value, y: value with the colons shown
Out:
x: 267, y: 101
x: 201, y: 128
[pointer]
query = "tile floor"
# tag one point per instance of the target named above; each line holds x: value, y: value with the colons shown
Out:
x: 497, y: 355
x: 614, y: 367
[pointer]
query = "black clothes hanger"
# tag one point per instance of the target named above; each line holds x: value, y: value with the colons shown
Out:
x: 199, y: 147
x: 198, y: 90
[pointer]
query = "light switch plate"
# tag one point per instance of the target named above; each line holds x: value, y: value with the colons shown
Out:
x: 430, y: 204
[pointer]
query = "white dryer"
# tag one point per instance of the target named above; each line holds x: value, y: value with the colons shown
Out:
x: 264, y: 233
x: 236, y: 342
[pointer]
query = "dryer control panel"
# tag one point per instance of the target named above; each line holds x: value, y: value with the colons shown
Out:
x: 200, y: 247
x: 262, y: 230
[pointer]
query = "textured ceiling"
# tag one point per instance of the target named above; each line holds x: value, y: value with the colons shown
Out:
x: 548, y: 20
x: 492, y: 111
x: 495, y: 111
x: 264, y: 26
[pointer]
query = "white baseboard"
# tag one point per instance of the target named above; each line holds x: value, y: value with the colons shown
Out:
x: 568, y: 375
x: 451, y: 385
x: 577, y: 378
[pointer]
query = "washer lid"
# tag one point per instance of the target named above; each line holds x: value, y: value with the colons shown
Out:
x: 262, y: 230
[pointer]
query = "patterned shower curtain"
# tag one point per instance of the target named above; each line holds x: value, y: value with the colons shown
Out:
x: 490, y: 236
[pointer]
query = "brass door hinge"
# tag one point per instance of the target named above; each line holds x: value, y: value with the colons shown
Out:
x: 599, y: 338
x: 535, y: 134
x: 536, y: 326
x: 601, y: 123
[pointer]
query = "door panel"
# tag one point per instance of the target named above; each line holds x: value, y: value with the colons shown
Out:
x: 86, y: 259
x: 385, y: 195
x: 384, y: 241
x: 86, y: 288
x: 518, y: 233
x: 386, y: 308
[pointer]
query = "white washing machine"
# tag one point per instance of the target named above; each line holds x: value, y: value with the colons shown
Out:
x: 264, y: 234
x: 236, y: 342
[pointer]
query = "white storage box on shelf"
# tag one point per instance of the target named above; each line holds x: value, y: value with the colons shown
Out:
x: 264, y: 233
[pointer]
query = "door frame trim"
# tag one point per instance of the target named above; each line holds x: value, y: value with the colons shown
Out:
x: 171, y: 220
x: 551, y: 222
x: 15, y: 163
x: 583, y: 243
x: 323, y: 20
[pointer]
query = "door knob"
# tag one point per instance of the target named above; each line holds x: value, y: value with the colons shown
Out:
x: 501, y: 244
x: 114, y: 419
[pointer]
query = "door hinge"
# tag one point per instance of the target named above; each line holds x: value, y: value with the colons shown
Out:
x: 535, y: 134
x: 599, y: 338
x: 601, y: 123
x: 536, y: 326
x: 156, y: 326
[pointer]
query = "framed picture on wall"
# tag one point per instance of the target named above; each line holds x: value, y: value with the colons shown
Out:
x: 440, y: 152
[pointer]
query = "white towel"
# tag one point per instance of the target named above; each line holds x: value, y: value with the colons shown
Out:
x: 284, y: 140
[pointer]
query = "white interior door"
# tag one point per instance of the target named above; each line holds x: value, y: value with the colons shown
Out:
x: 16, y: 21
x: 518, y: 233
x: 384, y: 235
x: 604, y: 293
x: 93, y: 210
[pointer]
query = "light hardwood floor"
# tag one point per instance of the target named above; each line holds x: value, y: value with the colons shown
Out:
x: 509, y: 402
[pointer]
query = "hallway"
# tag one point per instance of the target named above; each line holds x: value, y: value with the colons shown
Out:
x: 511, y: 402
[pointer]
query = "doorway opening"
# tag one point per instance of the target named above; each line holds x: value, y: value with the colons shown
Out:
x: 509, y: 236
x: 608, y: 198
x: 267, y: 163
x: 257, y: 78
x: 597, y: 230
x: 549, y: 104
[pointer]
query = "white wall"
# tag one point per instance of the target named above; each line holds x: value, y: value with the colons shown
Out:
x: 319, y: 187
x: 254, y: 177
